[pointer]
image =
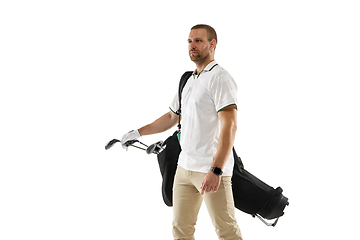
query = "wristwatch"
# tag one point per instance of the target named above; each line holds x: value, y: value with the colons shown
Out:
x: 216, y: 170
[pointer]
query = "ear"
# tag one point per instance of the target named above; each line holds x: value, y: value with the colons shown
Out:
x: 213, y: 44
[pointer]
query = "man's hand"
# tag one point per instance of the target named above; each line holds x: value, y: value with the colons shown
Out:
x: 132, y: 135
x: 210, y: 183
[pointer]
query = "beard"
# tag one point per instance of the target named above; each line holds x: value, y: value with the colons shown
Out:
x: 198, y: 57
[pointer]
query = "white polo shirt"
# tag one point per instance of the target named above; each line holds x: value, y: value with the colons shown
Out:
x: 203, y: 96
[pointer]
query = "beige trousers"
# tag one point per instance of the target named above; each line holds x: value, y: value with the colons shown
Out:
x: 187, y: 201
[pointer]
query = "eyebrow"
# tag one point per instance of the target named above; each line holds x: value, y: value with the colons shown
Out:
x: 196, y: 39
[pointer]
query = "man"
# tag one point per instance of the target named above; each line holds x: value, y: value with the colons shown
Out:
x: 209, y: 121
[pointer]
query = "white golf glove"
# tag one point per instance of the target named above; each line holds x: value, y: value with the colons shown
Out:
x: 132, y: 135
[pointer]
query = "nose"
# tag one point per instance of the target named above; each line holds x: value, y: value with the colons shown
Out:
x: 192, y: 45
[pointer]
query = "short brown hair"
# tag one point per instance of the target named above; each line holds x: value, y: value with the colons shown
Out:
x: 211, y: 33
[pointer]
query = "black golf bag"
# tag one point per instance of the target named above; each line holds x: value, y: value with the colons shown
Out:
x: 251, y: 195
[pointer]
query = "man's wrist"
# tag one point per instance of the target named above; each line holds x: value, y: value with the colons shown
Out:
x: 216, y: 170
x: 137, y: 132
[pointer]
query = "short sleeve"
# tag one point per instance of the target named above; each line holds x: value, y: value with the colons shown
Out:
x: 174, y: 106
x: 223, y: 91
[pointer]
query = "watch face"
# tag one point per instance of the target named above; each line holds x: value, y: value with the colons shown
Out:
x: 216, y: 170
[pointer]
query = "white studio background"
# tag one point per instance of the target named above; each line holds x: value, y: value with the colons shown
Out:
x: 76, y: 74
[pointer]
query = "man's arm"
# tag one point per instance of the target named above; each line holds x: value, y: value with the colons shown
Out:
x: 165, y: 122
x: 228, y: 119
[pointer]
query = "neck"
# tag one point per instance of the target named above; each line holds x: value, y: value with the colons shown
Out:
x: 200, y: 66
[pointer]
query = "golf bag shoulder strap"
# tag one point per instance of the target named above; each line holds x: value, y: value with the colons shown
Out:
x: 183, y: 80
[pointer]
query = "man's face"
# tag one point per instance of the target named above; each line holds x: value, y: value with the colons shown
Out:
x: 199, y: 46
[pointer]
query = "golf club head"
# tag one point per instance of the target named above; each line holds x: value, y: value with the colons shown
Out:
x: 155, y: 148
x: 111, y: 143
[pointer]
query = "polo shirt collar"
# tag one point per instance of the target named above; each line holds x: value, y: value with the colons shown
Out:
x: 208, y: 68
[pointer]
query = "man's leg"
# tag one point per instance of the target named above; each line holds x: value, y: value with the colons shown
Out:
x: 186, y: 205
x: 221, y: 209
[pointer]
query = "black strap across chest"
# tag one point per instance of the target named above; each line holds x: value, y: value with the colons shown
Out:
x: 184, y: 78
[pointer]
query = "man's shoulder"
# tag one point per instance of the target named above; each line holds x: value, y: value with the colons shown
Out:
x: 221, y: 74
